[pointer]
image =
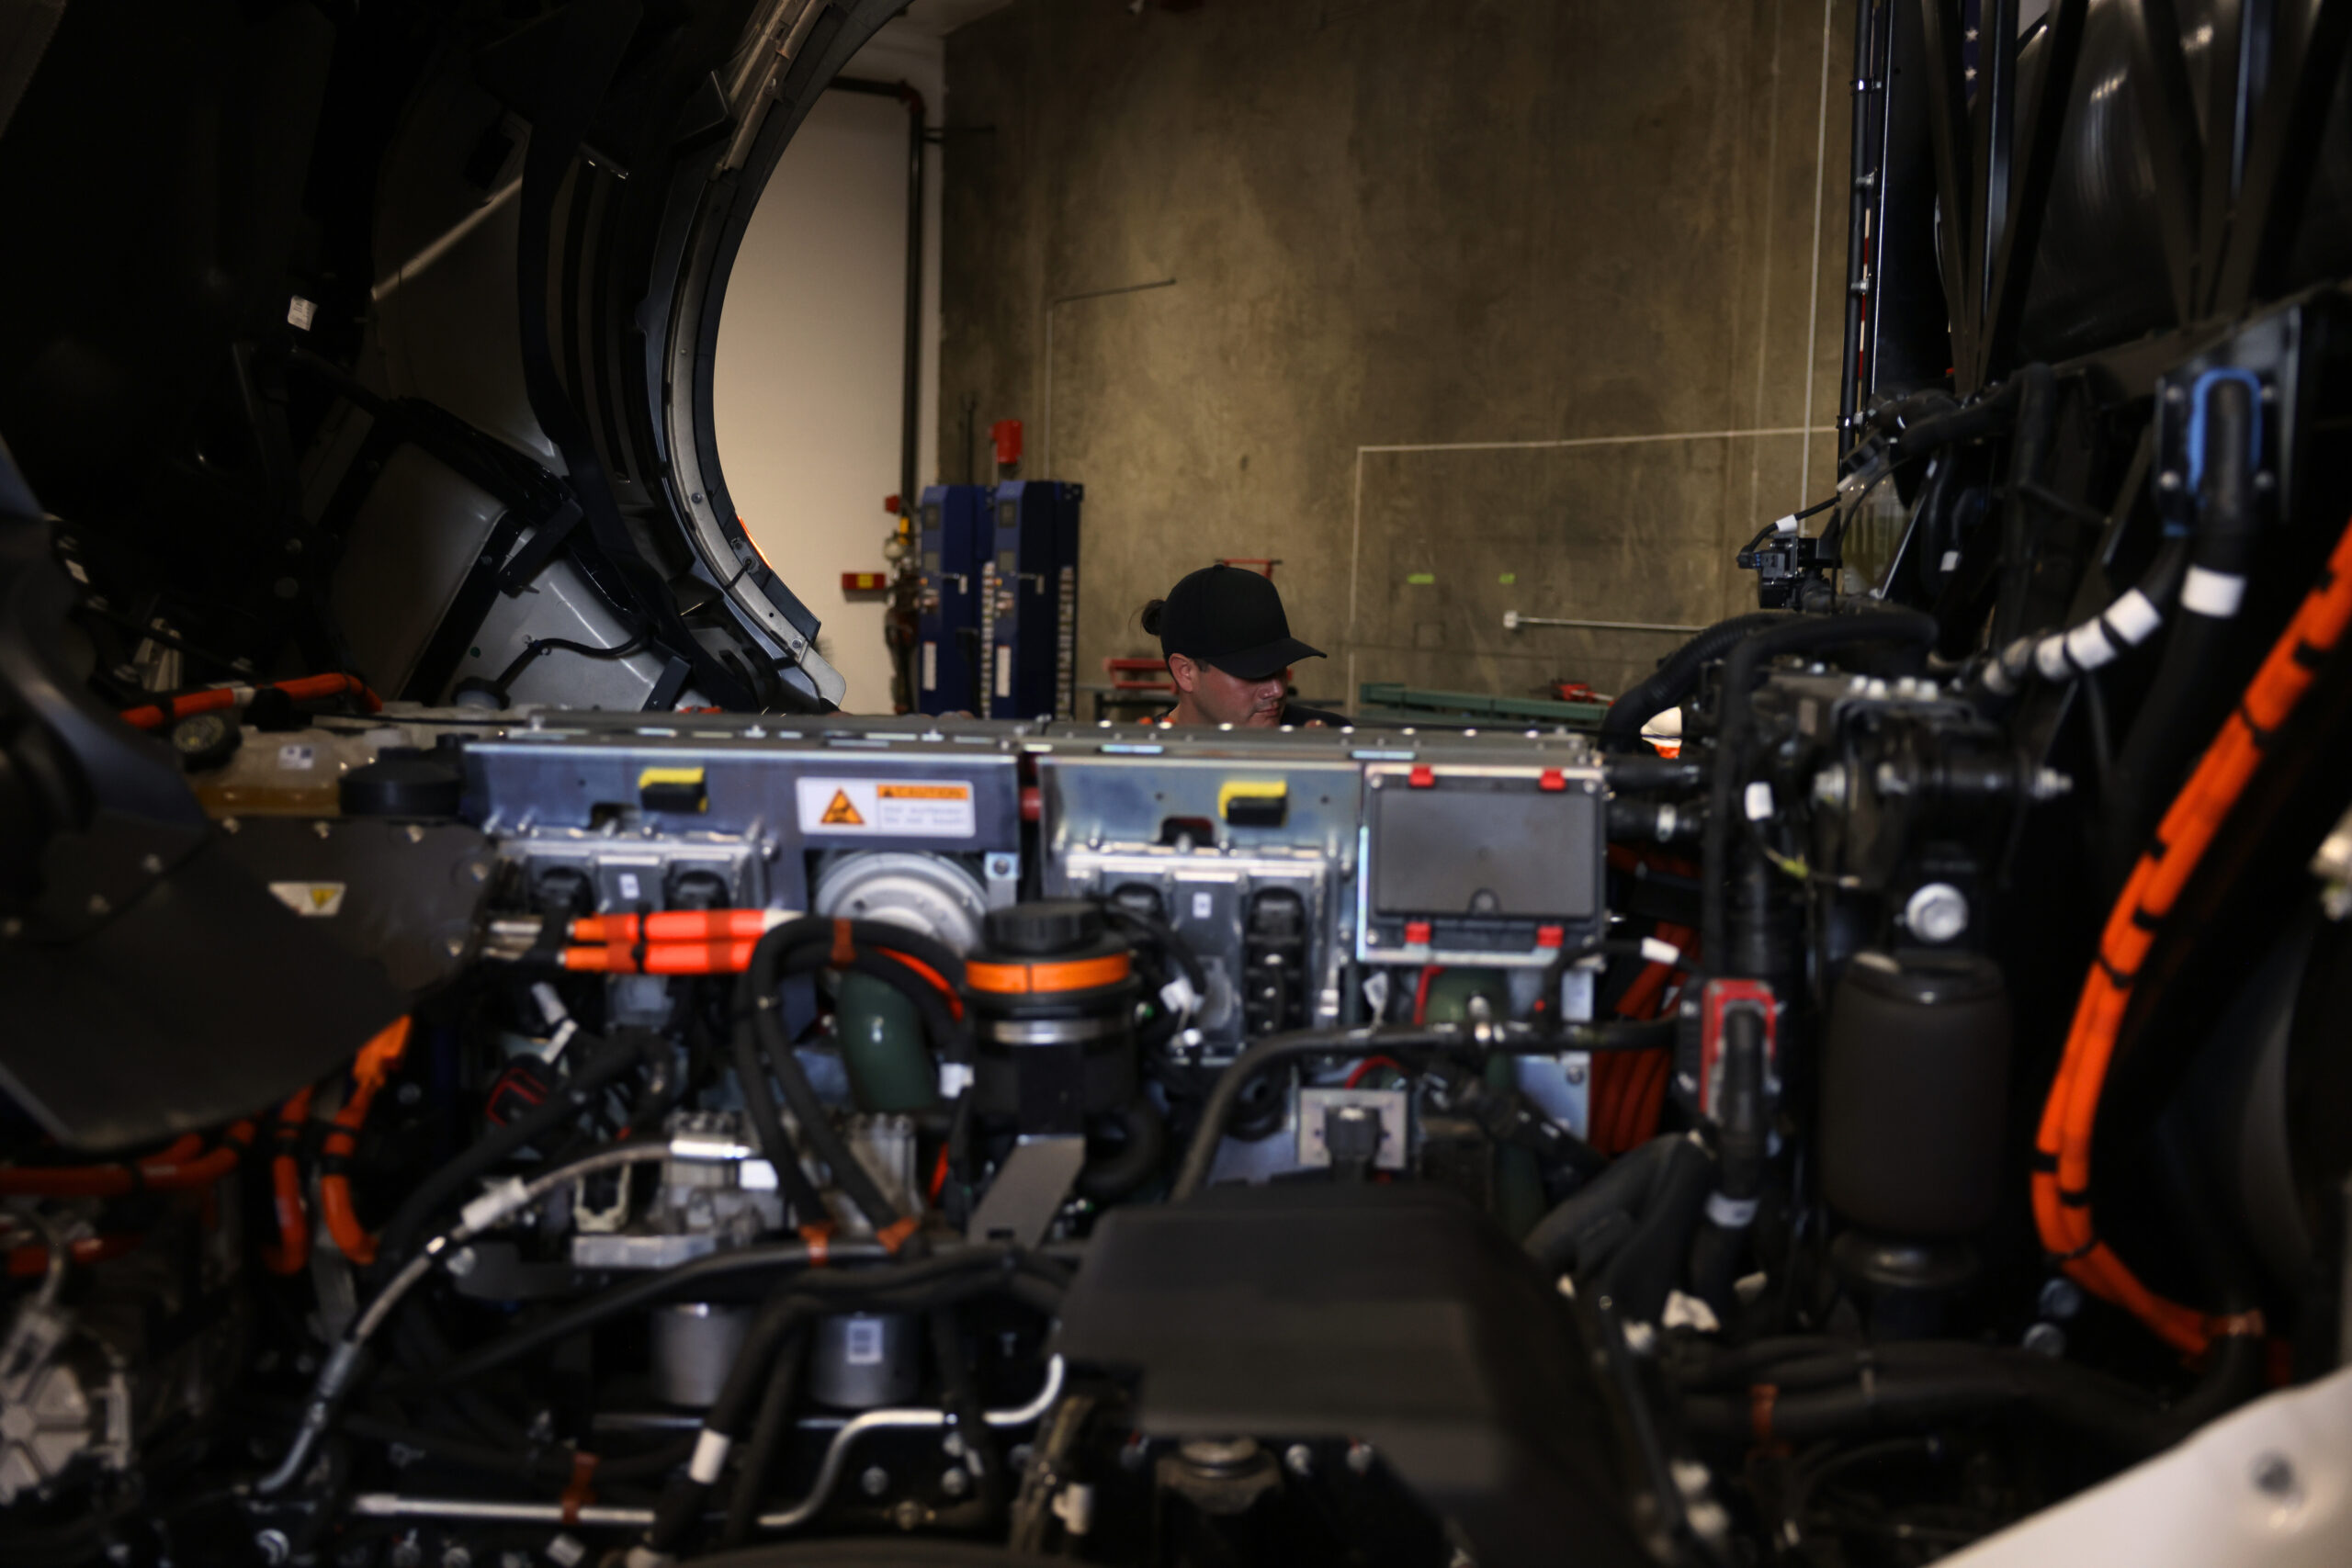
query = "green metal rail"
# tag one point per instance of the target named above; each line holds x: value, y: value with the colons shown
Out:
x: 1381, y: 698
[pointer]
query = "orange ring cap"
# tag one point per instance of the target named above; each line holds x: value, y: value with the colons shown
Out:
x: 1073, y: 974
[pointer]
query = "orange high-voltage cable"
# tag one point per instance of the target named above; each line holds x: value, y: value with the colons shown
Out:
x: 302, y: 689
x: 2062, y: 1180
x: 378, y: 1058
x: 291, y: 1251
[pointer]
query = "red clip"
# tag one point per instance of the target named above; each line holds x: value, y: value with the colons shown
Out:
x: 1417, y: 933
x: 1553, y: 779
x: 1551, y: 936
x: 1423, y: 776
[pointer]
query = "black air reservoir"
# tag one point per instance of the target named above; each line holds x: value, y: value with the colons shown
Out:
x: 1914, y: 1081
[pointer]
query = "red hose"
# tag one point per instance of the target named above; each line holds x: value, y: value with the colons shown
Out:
x: 301, y: 688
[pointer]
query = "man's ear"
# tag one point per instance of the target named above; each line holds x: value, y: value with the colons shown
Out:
x: 1185, y: 672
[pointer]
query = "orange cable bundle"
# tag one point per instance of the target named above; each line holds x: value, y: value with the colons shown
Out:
x: 377, y: 1061
x: 2061, y: 1182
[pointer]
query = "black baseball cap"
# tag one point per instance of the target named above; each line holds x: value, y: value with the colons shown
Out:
x: 1230, y: 618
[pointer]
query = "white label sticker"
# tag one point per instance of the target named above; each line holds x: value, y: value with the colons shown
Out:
x: 302, y: 757
x: 301, y: 313
x: 929, y: 809
x: 628, y: 882
x: 931, y: 667
x: 1204, y: 906
x: 1004, y: 670
x: 313, y: 898
x: 864, y: 1348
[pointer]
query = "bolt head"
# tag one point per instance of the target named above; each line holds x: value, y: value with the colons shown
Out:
x: 874, y: 1481
x: 1360, y: 1458
x: 2045, y: 1340
x: 1936, y: 912
x: 462, y: 1261
x: 1299, y: 1460
x: 2060, y: 1298
x: 954, y: 1482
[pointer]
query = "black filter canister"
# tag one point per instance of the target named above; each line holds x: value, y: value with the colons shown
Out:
x: 1052, y: 993
x: 1914, y: 1087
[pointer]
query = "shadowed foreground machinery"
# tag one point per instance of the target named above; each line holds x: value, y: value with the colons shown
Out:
x: 492, y: 1069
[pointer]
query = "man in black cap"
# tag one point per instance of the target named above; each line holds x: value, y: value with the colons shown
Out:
x: 1229, y: 651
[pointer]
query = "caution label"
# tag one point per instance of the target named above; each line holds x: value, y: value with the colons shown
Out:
x: 916, y: 808
x: 317, y: 899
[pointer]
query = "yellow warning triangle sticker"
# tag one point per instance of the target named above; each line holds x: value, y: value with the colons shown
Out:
x: 322, y: 894
x: 841, y: 813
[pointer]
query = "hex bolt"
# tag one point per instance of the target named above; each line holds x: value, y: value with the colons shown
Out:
x: 874, y: 1481
x: 1360, y: 1458
x: 462, y: 1261
x: 2045, y: 1340
x: 2060, y: 1298
x: 1299, y: 1460
x: 954, y: 1482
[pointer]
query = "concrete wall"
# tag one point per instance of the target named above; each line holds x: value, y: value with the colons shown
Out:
x: 809, y: 386
x: 1479, y: 305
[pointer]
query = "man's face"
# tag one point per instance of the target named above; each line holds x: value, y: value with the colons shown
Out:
x: 1220, y: 698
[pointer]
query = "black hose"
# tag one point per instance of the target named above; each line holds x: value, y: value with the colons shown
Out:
x: 960, y: 1397
x: 602, y: 1062
x: 758, y: 1462
x: 759, y: 1000
x: 2196, y: 680
x: 1653, y: 776
x: 1741, y: 669
x: 1676, y: 673
x: 1144, y: 1139
x: 2037, y: 421
x: 1643, y: 1270
x: 1582, y: 1232
x: 808, y: 1205
x: 1721, y: 1244
x: 1902, y: 1386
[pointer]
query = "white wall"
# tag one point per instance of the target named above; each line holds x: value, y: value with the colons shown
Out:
x: 811, y: 377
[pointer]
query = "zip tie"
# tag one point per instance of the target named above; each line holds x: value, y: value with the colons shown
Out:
x: 845, y: 951
x: 819, y: 1238
x: 894, y: 1235
x: 493, y: 1205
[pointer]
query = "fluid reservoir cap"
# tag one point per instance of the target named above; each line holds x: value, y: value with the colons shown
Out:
x: 205, y: 739
x: 402, y: 782
x: 1047, y: 927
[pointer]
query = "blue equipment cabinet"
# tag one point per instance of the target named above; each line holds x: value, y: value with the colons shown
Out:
x: 954, y: 539
x: 1029, y: 601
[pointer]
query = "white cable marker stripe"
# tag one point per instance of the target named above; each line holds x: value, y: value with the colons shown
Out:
x: 1731, y: 1213
x: 2050, y: 658
x: 710, y: 1457
x: 1997, y: 679
x: 1760, y: 801
x: 1664, y: 952
x: 2135, y: 617
x: 2215, y: 594
x: 2087, y: 646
